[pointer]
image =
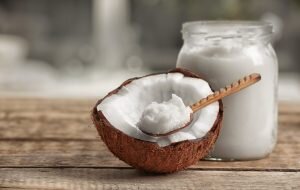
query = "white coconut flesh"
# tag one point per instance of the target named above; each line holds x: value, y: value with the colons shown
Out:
x: 124, y: 110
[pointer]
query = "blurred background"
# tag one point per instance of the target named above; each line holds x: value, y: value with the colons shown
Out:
x: 84, y: 48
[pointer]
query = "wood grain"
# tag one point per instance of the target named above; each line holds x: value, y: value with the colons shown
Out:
x: 46, y: 119
x: 66, y: 129
x: 51, y: 144
x: 85, y: 105
x: 70, y: 119
x: 47, y: 126
x: 49, y: 134
x: 39, y: 104
x: 83, y: 179
x: 95, y: 154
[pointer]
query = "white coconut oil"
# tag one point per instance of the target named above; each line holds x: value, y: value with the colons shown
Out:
x: 157, y: 118
x: 223, y: 52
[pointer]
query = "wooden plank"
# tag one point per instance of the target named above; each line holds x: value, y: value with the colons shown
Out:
x: 289, y: 119
x: 48, y: 126
x: 289, y: 134
x: 28, y: 104
x: 56, y: 133
x: 64, y: 124
x: 83, y: 179
x: 95, y: 154
x: 56, y: 154
x: 58, y: 119
x: 289, y: 107
x: 285, y: 157
x: 76, y: 129
x: 44, y: 118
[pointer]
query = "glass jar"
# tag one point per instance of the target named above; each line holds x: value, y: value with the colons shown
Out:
x: 222, y: 52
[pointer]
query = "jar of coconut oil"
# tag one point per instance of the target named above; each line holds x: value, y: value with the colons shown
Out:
x: 222, y: 52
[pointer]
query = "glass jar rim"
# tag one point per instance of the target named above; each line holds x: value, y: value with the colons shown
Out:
x: 226, y: 27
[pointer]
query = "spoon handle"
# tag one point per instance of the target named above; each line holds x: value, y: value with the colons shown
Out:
x: 226, y: 91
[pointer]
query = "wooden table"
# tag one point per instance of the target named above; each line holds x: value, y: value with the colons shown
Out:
x: 51, y: 144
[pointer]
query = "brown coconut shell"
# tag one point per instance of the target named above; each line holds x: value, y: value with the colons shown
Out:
x: 148, y: 156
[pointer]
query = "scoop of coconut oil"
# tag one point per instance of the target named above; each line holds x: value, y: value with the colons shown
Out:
x: 161, y: 118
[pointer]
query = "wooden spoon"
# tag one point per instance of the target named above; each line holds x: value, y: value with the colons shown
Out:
x: 226, y: 91
x: 217, y: 95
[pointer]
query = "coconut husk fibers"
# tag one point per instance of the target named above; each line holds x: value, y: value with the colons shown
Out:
x: 148, y: 156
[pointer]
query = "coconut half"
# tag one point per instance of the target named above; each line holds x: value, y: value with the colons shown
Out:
x: 117, y: 115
